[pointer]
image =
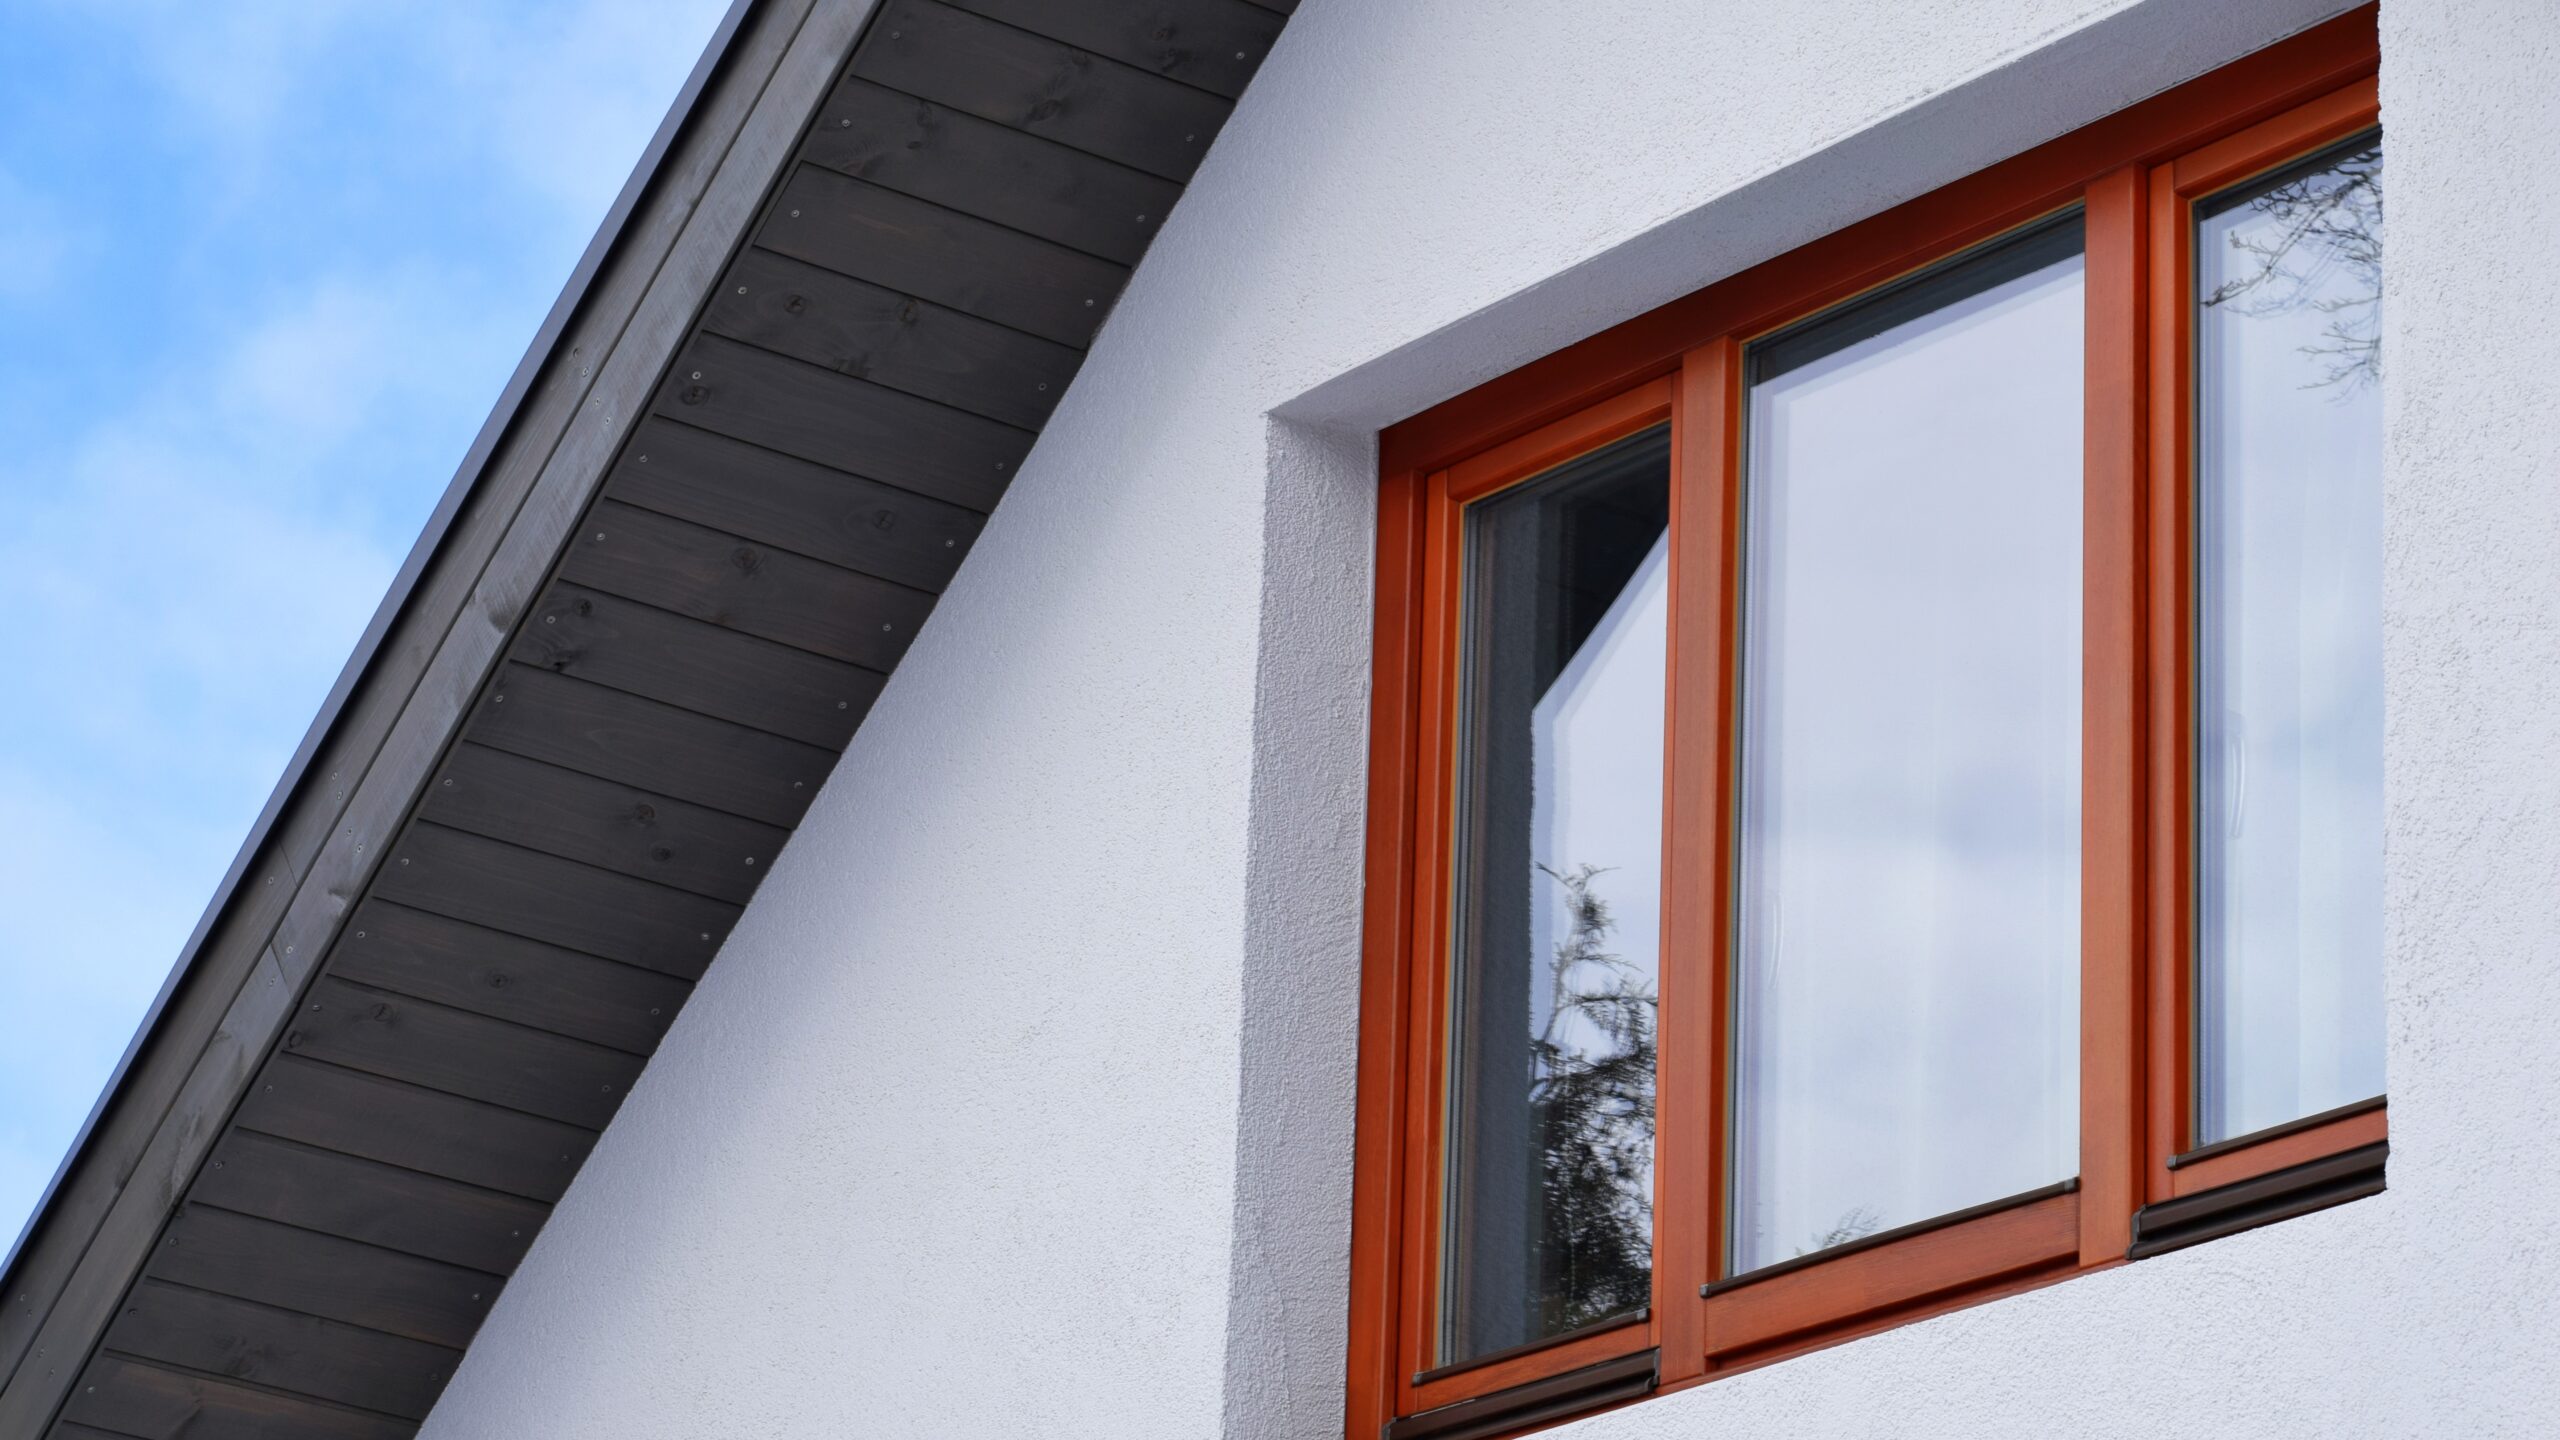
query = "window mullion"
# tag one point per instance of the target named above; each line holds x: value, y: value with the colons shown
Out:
x: 2112, y: 851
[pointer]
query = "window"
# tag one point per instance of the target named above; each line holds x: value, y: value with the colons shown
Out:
x: 1876, y: 771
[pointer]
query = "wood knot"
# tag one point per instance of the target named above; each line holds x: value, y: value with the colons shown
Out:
x: 695, y: 394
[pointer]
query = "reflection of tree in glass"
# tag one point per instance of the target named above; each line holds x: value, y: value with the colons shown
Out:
x: 1593, y: 1104
x: 1859, y: 1222
x: 2324, y: 251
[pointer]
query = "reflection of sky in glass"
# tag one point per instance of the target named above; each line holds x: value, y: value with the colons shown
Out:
x: 2289, y: 655
x: 1908, y: 941
x: 1598, y: 737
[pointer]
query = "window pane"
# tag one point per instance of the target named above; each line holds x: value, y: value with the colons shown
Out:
x: 2289, y: 645
x: 1906, y: 1034
x: 1550, y: 1212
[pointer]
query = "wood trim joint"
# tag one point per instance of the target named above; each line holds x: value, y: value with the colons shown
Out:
x: 2259, y: 1200
x: 1539, y: 1402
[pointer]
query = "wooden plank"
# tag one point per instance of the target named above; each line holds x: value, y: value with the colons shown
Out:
x: 817, y: 414
x: 683, y: 567
x: 1276, y: 7
x: 1015, y: 78
x: 1214, y: 44
x: 992, y: 171
x: 417, y: 1129
x: 922, y: 249
x: 702, y: 667
x: 411, y: 952
x: 542, y: 897
x: 135, y: 1398
x: 358, y: 1199
x: 619, y: 736
x: 598, y: 822
x: 323, y: 1275
x: 239, y: 1340
x: 460, y: 1053
x: 768, y: 497
x: 898, y: 340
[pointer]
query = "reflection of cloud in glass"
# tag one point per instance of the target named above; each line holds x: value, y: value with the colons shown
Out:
x: 1908, y: 947
x: 1598, y: 801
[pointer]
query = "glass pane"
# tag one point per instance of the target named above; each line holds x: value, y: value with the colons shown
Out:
x: 2289, y: 645
x: 1559, y: 880
x: 1906, y: 991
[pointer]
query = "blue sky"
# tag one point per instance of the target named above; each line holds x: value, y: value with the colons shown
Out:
x: 264, y: 266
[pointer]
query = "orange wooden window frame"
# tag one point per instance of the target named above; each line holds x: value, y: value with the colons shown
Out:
x: 2135, y: 175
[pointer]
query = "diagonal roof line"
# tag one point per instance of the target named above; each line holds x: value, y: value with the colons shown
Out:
x: 297, y: 771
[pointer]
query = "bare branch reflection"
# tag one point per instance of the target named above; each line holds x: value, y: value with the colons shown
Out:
x: 1592, y: 1100
x: 2322, y: 251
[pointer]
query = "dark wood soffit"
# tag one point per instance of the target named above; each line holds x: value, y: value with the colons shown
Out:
x: 857, y: 273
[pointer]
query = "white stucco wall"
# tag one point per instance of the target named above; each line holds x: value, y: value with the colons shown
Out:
x: 1019, y: 1103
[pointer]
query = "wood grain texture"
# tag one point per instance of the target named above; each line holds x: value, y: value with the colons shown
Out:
x: 417, y: 1129
x: 975, y: 266
x: 619, y: 736
x: 144, y: 1401
x: 1214, y: 44
x: 410, y: 952
x: 282, y: 1350
x: 756, y: 589
x: 992, y: 171
x: 356, y: 1199
x: 697, y: 666
x: 323, y: 1275
x: 460, y: 1053
x: 891, y: 338
x: 599, y: 822
x: 854, y: 425
x: 1037, y: 85
x: 810, y: 510
x: 542, y: 897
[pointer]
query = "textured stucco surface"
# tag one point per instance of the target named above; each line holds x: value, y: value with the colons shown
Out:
x: 1019, y: 1103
